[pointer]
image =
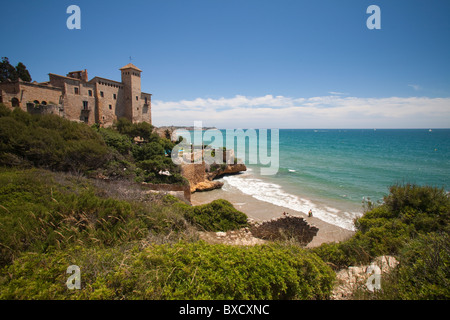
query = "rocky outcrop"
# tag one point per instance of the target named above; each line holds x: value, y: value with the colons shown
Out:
x: 241, y: 237
x: 227, y: 170
x: 200, y: 179
x: 283, y: 228
x: 207, y: 185
x: 353, y: 278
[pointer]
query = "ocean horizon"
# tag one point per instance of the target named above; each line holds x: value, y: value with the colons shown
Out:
x: 334, y: 171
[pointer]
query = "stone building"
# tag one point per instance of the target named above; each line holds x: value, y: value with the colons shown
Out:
x: 77, y: 98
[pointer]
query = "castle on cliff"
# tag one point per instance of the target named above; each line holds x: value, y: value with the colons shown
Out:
x: 77, y: 98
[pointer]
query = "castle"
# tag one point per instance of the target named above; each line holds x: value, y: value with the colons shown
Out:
x: 77, y: 98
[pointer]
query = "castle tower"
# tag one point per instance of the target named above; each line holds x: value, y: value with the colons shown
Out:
x: 131, y: 79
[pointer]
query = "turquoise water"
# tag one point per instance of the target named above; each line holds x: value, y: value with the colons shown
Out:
x: 333, y: 171
x: 353, y: 164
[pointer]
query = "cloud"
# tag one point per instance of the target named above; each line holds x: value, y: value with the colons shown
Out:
x: 336, y: 93
x: 416, y: 87
x: 270, y: 111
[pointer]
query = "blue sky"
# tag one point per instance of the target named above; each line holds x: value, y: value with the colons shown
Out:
x: 252, y: 63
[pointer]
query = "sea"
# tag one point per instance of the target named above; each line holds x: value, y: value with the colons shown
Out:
x: 335, y: 172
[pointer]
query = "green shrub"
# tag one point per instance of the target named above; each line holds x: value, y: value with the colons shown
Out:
x: 219, y: 215
x: 4, y: 110
x: 422, y: 274
x: 407, y: 212
x: 50, y: 141
x: 179, y: 271
x: 38, y: 214
x: 424, y: 271
x: 114, y: 139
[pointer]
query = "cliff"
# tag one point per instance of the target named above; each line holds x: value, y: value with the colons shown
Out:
x: 202, y: 179
x: 227, y: 170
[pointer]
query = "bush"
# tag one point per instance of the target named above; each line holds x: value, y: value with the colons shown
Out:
x: 49, y: 141
x: 179, y: 271
x: 38, y: 214
x: 114, y: 139
x: 407, y: 212
x: 422, y: 274
x: 219, y: 215
x: 424, y: 271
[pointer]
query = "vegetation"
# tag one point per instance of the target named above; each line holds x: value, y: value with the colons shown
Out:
x: 131, y: 244
x: 9, y: 73
x: 42, y: 212
x: 411, y: 224
x: 184, y: 270
x: 219, y: 215
x: 132, y: 151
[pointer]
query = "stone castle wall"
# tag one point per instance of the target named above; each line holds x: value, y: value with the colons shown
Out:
x: 110, y: 101
x: 99, y: 100
x: 28, y: 92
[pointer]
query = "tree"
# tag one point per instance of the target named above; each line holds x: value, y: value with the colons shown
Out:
x: 7, y: 71
x: 22, y: 72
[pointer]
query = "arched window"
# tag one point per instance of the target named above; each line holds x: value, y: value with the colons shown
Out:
x: 36, y: 101
x: 44, y: 103
x: 15, y: 102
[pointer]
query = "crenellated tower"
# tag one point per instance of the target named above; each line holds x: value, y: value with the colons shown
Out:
x: 131, y: 79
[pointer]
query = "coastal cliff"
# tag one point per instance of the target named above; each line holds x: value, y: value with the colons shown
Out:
x: 201, y: 176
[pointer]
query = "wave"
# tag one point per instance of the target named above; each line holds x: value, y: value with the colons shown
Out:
x: 274, y: 194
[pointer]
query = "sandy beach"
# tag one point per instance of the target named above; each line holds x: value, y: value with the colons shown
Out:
x: 261, y: 210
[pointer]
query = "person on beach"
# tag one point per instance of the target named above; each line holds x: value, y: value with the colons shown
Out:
x: 310, y: 213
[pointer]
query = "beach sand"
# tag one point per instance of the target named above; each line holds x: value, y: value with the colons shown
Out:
x: 261, y: 210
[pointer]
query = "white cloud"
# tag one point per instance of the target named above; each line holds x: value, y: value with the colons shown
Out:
x: 336, y: 93
x: 316, y: 112
x: 416, y: 87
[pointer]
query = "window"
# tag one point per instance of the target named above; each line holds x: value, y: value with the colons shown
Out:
x: 85, y: 105
x: 137, y: 98
x: 15, y: 102
x: 146, y: 100
x: 115, y: 96
x: 77, y: 90
x: 86, y: 119
x: 101, y: 94
x: 90, y: 93
x: 110, y: 107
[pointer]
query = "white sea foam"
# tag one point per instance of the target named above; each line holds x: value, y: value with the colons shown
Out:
x: 274, y: 194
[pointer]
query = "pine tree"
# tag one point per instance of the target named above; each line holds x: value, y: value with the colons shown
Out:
x: 22, y: 72
x: 7, y: 71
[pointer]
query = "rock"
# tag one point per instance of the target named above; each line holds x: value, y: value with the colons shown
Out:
x: 239, y: 237
x: 348, y: 280
x: 200, y: 180
x: 206, y: 186
x: 229, y: 169
x: 284, y: 227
